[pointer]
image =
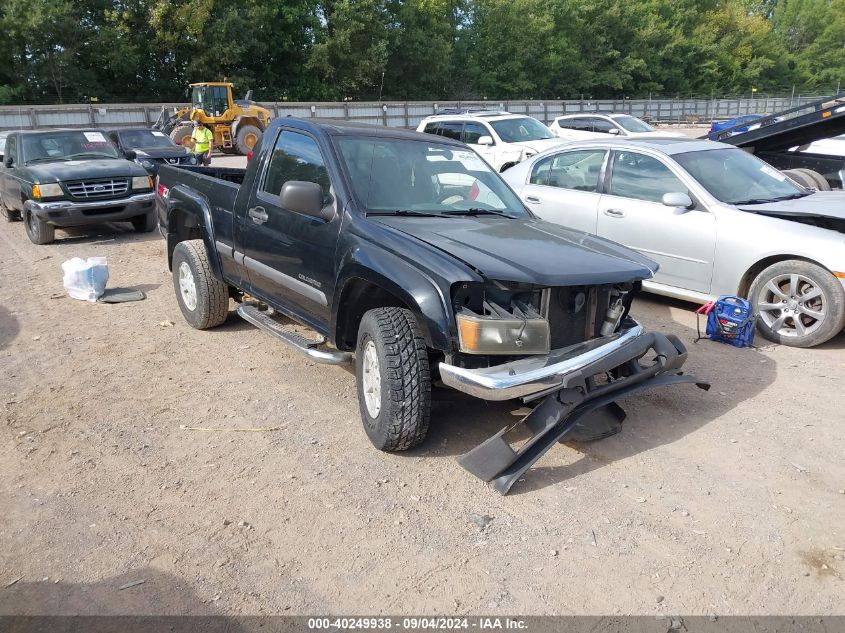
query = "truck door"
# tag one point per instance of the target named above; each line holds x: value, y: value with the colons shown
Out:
x: 290, y: 257
x: 10, y: 187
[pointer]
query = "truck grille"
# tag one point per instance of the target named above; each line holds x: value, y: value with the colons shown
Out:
x: 89, y: 189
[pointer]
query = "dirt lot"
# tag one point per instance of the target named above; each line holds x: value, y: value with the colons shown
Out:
x: 727, y: 502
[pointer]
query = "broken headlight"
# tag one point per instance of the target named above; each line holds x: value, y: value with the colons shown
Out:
x: 518, y: 329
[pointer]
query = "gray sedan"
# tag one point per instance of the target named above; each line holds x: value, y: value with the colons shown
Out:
x: 716, y: 219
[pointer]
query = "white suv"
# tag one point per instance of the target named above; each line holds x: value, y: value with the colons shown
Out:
x: 500, y: 138
x: 578, y: 127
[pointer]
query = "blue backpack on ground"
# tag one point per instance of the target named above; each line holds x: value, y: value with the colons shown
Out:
x: 730, y: 320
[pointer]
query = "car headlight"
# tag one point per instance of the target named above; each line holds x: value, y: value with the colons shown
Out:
x: 501, y: 331
x: 142, y: 182
x: 47, y: 191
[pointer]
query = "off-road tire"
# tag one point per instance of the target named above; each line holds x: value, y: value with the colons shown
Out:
x: 37, y: 230
x: 402, y: 421
x: 819, y: 182
x: 9, y: 214
x: 241, y: 141
x: 182, y: 130
x: 212, y: 296
x: 800, y: 177
x: 145, y: 223
x: 834, y: 301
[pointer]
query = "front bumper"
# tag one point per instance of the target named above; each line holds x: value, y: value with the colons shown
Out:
x: 68, y: 213
x: 579, y: 386
x: 535, y: 375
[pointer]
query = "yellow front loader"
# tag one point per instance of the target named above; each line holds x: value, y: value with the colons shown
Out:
x: 238, y: 124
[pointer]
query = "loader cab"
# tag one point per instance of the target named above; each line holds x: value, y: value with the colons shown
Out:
x: 213, y: 99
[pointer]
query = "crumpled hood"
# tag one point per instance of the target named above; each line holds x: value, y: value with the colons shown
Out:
x: 527, y: 250
x: 540, y: 145
x: 69, y: 170
x: 161, y: 152
x: 829, y: 204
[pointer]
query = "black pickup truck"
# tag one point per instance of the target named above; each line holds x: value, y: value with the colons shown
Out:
x: 407, y: 254
x: 63, y: 178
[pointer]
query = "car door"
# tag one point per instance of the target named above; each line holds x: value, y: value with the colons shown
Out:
x: 564, y: 188
x: 576, y: 128
x: 287, y: 255
x: 10, y: 185
x: 631, y: 212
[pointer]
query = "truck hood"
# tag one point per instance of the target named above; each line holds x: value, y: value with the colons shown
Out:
x: 161, y: 152
x: 822, y: 204
x: 527, y: 250
x: 62, y: 171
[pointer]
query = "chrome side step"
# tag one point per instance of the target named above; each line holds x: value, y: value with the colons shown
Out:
x: 308, y: 346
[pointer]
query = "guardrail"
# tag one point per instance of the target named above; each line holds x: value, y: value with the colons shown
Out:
x: 404, y: 114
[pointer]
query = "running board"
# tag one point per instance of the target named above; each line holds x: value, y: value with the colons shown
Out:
x: 308, y: 346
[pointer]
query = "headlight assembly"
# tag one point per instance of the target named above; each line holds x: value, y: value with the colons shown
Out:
x: 47, y: 191
x: 142, y: 182
x: 520, y: 330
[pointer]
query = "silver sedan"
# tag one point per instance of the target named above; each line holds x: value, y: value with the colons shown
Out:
x: 716, y: 219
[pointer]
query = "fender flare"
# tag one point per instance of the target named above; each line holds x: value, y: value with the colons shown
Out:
x: 185, y: 201
x: 427, y: 300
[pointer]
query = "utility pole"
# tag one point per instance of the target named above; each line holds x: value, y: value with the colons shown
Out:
x: 381, y: 87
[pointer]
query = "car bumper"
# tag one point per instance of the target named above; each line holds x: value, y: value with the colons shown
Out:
x: 531, y: 377
x: 68, y: 213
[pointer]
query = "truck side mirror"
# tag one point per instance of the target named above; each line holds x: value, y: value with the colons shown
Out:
x: 485, y: 140
x: 303, y: 197
x: 8, y: 162
x: 130, y: 154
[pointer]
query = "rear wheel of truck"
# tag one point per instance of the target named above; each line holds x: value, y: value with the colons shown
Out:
x: 144, y: 223
x: 38, y: 231
x: 799, y: 303
x: 394, y: 384
x: 203, y: 299
x: 247, y: 139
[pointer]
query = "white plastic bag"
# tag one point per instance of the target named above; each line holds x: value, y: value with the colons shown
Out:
x: 86, y: 279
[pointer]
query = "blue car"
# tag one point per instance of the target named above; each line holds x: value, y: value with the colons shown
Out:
x: 746, y: 121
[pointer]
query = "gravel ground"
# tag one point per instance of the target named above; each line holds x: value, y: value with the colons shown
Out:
x: 727, y: 502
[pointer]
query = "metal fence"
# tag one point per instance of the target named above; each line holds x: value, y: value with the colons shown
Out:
x: 406, y: 114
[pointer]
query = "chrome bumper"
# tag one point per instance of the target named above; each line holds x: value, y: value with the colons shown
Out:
x: 538, y: 375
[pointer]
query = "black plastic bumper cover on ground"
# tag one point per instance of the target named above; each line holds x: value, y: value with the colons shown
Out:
x: 570, y: 407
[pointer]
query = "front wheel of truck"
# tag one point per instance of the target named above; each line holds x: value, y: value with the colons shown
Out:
x: 38, y: 231
x: 203, y: 299
x: 394, y: 383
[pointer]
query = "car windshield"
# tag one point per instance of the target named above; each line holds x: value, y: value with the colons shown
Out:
x: 736, y: 177
x: 632, y: 124
x: 399, y: 176
x: 521, y: 129
x: 140, y: 139
x: 66, y: 145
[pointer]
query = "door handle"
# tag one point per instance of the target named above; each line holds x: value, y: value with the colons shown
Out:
x: 533, y: 199
x: 258, y: 215
x: 615, y: 213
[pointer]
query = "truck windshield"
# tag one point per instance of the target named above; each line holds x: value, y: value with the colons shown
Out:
x: 520, y: 129
x: 418, y: 177
x: 66, y: 145
x: 736, y: 177
x: 144, y: 139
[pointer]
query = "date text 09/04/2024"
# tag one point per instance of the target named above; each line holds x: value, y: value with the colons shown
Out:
x: 416, y: 623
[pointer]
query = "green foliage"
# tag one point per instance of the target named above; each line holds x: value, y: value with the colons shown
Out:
x: 149, y: 50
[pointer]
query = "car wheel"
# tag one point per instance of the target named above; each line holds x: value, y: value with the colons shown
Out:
x: 394, y: 383
x: 38, y: 231
x: 182, y: 134
x: 798, y: 303
x: 144, y: 223
x: 203, y: 299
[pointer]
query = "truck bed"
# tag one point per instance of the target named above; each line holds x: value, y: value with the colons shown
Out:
x: 218, y: 185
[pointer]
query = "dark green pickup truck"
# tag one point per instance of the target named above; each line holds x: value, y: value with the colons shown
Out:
x: 63, y: 178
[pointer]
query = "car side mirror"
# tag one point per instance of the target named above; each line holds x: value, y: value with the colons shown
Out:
x: 8, y: 162
x: 484, y: 140
x: 677, y: 200
x: 614, y: 131
x: 130, y: 154
x: 304, y: 197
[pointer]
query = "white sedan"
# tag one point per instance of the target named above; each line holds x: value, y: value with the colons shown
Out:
x: 716, y: 219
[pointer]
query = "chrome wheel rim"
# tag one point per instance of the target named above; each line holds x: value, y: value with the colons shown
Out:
x: 187, y: 286
x: 371, y: 380
x: 792, y: 305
